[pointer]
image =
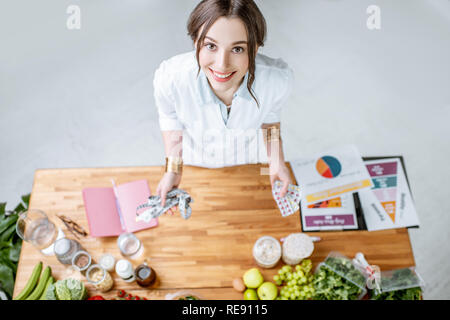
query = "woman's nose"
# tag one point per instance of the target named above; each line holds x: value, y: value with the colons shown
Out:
x: 223, y: 61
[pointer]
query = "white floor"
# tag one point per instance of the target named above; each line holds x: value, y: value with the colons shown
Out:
x: 83, y: 98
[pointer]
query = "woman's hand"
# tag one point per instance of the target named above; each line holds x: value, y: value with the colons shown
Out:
x: 279, y: 171
x: 169, y: 181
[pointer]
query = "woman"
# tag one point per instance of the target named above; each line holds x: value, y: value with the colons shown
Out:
x: 217, y: 103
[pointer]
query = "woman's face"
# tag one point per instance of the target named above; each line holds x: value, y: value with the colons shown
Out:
x: 223, y: 56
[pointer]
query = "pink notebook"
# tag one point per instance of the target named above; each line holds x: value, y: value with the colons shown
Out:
x: 109, y: 215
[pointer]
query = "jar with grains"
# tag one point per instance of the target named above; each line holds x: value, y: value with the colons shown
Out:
x: 267, y: 251
x: 99, y: 278
x: 296, y: 247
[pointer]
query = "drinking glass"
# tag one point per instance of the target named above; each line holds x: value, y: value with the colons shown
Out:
x: 35, y: 227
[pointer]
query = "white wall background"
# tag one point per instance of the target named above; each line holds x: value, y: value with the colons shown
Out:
x: 83, y: 98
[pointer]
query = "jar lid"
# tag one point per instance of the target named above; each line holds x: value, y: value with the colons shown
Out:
x: 107, y: 261
x: 81, y: 260
x: 124, y: 268
x: 267, y: 250
x: 62, y: 246
x: 298, y: 246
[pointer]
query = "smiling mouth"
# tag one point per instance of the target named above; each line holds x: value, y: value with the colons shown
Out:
x: 221, y: 77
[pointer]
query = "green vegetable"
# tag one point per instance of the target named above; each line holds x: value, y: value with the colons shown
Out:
x: 188, y: 298
x: 76, y: 288
x: 10, y: 245
x: 401, y: 278
x: 50, y: 281
x: 62, y: 292
x: 50, y: 294
x: 37, y: 292
x: 31, y: 283
x: 67, y: 289
x: 338, y: 279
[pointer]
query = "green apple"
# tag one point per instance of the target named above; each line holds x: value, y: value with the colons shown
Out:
x: 253, y: 278
x: 250, y: 294
x: 267, y: 291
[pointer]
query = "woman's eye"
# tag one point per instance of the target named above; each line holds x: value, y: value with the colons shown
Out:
x: 210, y: 46
x: 238, y: 49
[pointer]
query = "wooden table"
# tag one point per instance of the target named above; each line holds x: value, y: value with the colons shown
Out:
x: 232, y: 208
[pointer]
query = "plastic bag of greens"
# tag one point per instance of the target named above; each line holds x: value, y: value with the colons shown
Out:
x: 399, y: 284
x: 337, y: 278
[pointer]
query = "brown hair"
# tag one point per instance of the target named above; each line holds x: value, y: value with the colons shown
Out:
x: 208, y: 11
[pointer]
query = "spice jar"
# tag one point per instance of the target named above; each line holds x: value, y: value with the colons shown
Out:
x: 267, y: 251
x: 81, y: 261
x: 108, y: 262
x: 125, y: 270
x: 99, y: 278
x: 65, y: 249
x: 145, y: 275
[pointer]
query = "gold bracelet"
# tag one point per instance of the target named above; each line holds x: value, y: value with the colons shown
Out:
x: 174, y: 164
x: 273, y: 134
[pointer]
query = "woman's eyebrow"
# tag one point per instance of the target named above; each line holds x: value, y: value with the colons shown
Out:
x: 234, y: 43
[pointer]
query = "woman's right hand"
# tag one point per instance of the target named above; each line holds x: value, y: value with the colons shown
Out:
x: 169, y: 181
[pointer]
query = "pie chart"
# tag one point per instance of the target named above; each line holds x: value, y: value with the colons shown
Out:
x: 328, y: 167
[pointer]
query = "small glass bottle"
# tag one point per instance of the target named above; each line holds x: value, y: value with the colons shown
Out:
x: 145, y: 275
x: 99, y: 278
x: 65, y: 249
x: 125, y: 270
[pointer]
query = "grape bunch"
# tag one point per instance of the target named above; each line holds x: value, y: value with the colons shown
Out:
x: 298, y: 281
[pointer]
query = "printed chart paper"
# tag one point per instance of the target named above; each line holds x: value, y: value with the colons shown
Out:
x: 337, y: 213
x: 331, y: 173
x: 389, y: 203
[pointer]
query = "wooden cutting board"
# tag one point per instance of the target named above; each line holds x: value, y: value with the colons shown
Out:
x: 232, y: 208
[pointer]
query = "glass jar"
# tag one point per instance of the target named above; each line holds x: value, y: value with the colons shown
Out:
x: 267, y: 251
x: 81, y: 261
x: 125, y: 270
x: 296, y: 247
x: 99, y: 278
x: 108, y: 262
x: 130, y: 246
x: 65, y: 249
x: 145, y: 275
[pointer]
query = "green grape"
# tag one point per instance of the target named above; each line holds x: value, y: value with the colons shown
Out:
x: 292, y: 296
x: 276, y: 277
x: 296, y: 276
x: 301, y: 274
x: 282, y: 277
x: 290, y: 276
x: 298, y: 268
x: 284, y: 298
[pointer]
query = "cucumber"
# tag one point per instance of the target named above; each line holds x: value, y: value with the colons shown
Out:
x: 50, y: 281
x: 37, y: 292
x: 32, y: 281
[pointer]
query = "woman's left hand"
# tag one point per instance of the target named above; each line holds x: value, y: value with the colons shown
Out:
x: 280, y: 171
